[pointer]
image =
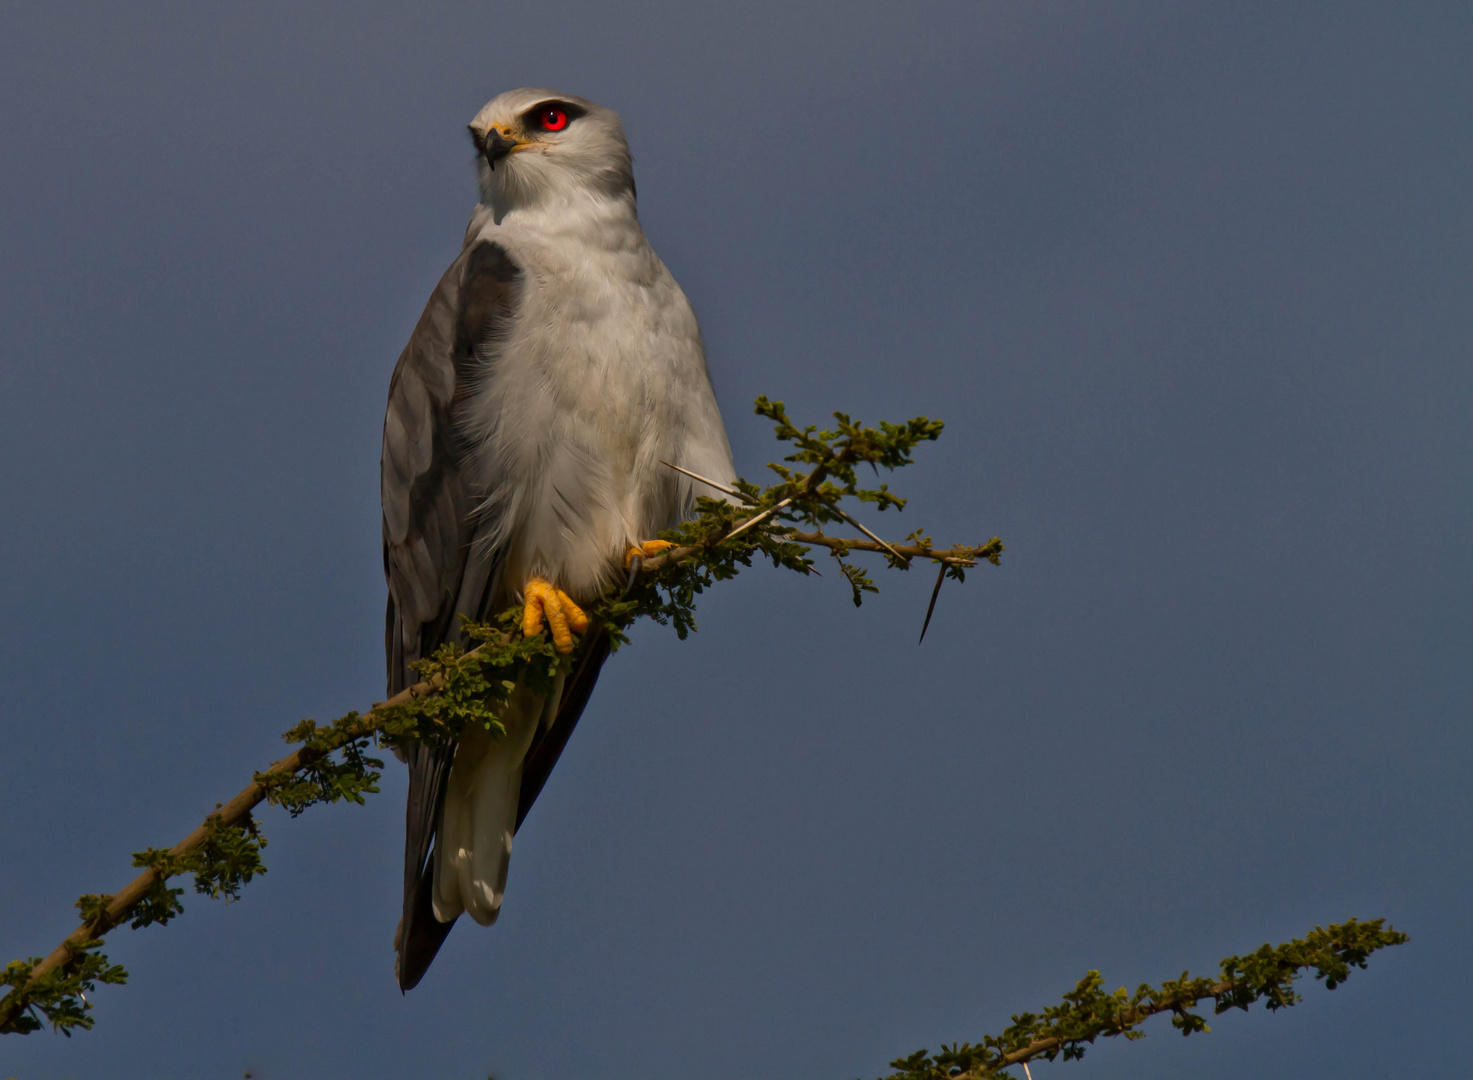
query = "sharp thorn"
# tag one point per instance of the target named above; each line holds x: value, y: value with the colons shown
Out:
x: 709, y: 483
x: 932, y: 606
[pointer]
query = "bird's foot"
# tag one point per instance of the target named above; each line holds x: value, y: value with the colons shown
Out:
x: 544, y: 600
x: 646, y: 550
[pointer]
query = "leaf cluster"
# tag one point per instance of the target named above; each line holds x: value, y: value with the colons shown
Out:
x: 227, y: 860
x: 471, y: 688
x: 668, y: 596
x: 835, y: 456
x: 59, y: 997
x: 334, y: 766
x: 468, y: 688
x: 1089, y: 1011
x: 836, y: 452
x: 723, y: 536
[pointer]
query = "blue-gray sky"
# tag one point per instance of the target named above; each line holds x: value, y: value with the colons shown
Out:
x: 1190, y: 285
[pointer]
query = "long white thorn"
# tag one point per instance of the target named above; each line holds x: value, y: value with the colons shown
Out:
x: 708, y: 482
x: 872, y: 536
x: 744, y: 526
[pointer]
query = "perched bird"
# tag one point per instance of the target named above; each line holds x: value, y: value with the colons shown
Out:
x: 556, y: 365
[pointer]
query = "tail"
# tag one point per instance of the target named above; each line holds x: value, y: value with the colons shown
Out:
x: 469, y: 800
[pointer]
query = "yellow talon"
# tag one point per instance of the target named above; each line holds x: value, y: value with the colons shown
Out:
x: 545, y: 600
x: 646, y: 550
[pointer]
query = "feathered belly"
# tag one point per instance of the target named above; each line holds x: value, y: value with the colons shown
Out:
x: 573, y: 479
x: 601, y: 377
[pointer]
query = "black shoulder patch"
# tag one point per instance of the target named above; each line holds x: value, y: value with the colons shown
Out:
x: 486, y: 293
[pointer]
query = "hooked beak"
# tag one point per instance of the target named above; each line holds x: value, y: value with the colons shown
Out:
x: 496, y: 147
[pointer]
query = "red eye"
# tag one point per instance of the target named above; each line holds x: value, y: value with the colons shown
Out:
x: 553, y: 119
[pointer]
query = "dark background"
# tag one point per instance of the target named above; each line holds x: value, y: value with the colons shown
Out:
x: 1190, y: 285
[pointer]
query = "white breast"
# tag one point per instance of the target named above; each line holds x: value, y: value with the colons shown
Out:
x: 599, y: 377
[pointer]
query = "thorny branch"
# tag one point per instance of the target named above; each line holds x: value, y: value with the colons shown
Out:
x: 1089, y: 1012
x: 332, y: 762
x: 781, y: 522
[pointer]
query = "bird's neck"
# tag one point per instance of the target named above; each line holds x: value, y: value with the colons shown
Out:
x: 513, y: 194
x: 598, y: 220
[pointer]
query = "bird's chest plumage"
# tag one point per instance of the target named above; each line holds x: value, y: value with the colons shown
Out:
x: 577, y: 399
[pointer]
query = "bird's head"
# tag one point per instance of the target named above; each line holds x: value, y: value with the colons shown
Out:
x: 540, y: 145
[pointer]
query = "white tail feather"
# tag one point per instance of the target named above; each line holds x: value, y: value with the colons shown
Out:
x: 479, y: 816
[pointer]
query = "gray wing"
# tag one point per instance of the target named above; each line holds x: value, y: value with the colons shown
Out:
x: 427, y: 522
x: 429, y: 536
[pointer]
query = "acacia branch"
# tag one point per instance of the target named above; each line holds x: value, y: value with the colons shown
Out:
x: 121, y: 904
x: 958, y: 555
x: 463, y: 688
x: 1089, y: 1012
x: 1127, y: 1019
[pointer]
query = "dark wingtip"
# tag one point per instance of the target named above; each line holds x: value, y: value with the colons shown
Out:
x: 419, y: 940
